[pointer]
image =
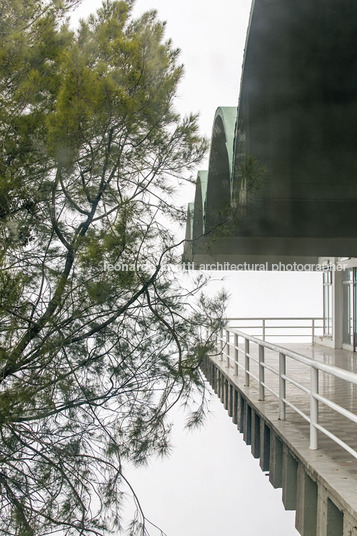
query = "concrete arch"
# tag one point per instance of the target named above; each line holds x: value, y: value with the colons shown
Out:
x: 200, y: 204
x: 289, y: 172
x: 219, y: 190
x: 188, y: 250
x: 298, y: 118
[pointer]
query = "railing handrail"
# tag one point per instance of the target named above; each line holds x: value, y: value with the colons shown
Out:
x: 275, y: 318
x: 274, y: 326
x: 226, y: 345
x: 334, y: 371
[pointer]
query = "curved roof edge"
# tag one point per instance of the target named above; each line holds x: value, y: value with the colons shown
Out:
x: 190, y: 214
x: 202, y: 177
x: 228, y: 114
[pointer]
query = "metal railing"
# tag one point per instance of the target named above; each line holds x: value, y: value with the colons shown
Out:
x: 274, y: 327
x: 232, y: 343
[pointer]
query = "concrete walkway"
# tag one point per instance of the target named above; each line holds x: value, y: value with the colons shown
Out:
x: 335, y: 389
x: 321, y: 485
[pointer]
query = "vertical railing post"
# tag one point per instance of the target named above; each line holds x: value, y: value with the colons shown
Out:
x: 264, y: 329
x: 228, y: 348
x: 236, y: 354
x: 314, y: 407
x: 261, y: 372
x: 282, y: 386
x: 247, y: 363
x: 313, y: 331
x: 222, y: 346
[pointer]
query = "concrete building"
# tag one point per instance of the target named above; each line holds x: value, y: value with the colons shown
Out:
x: 282, y: 179
x: 282, y: 188
x: 282, y: 170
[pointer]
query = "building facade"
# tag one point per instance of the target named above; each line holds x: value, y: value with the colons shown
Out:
x: 281, y: 186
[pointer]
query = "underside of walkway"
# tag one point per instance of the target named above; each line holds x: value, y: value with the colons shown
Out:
x: 330, y: 471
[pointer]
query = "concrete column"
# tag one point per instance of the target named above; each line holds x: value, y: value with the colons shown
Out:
x: 230, y: 399
x: 247, y: 425
x: 290, y: 466
x: 255, y: 434
x: 306, y: 503
x: 276, y: 461
x: 264, y: 445
x: 334, y: 520
x: 218, y: 381
x: 221, y: 392
x: 322, y: 497
x: 299, y: 517
x: 225, y: 393
x: 241, y: 413
x: 235, y: 406
x: 215, y: 380
x: 349, y: 525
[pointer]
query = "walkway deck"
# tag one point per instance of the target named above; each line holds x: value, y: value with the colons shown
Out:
x: 331, y: 465
x: 334, y: 389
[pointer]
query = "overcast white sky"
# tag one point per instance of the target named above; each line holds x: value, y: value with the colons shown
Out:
x: 211, y: 485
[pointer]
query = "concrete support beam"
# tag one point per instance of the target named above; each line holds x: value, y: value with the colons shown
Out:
x: 276, y: 461
x: 290, y: 466
x: 241, y: 413
x: 322, y: 497
x: 235, y: 406
x: 247, y: 425
x: 215, y: 380
x: 255, y: 434
x: 349, y: 525
x: 264, y: 445
x: 334, y: 520
x: 220, y: 386
x: 306, y: 507
x: 225, y: 393
x: 227, y: 396
x: 230, y: 399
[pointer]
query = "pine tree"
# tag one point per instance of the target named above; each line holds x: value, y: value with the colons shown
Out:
x: 97, y: 338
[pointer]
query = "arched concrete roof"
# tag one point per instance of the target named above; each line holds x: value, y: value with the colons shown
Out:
x: 203, y: 177
x: 289, y: 166
x: 188, y: 250
x: 220, y: 166
x: 189, y: 221
x: 229, y: 117
x: 298, y: 118
x: 200, y: 204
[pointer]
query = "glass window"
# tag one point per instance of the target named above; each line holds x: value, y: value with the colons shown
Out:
x: 347, y: 275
